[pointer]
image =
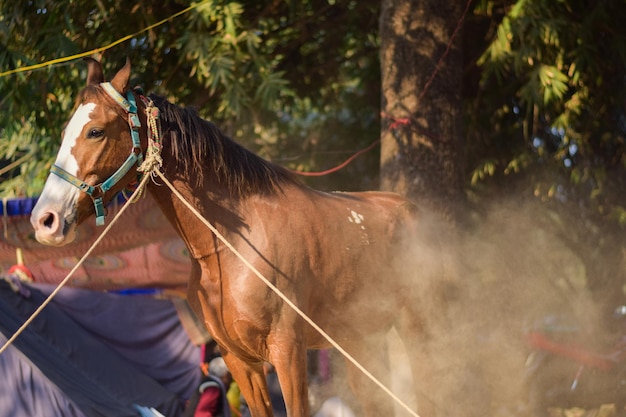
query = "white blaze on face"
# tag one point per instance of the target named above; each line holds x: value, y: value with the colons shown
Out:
x: 56, y: 188
x: 58, y: 195
x: 81, y: 117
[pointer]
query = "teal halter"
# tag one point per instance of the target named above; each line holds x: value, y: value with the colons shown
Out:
x: 96, y: 192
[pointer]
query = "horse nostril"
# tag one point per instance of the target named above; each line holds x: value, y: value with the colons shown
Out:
x: 47, y: 220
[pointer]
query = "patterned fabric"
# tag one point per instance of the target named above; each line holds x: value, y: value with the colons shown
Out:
x: 142, y: 250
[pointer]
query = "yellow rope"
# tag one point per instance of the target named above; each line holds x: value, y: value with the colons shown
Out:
x: 102, y: 48
x: 285, y: 299
x: 74, y: 269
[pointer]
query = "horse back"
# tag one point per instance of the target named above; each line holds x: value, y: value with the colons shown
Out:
x: 344, y: 255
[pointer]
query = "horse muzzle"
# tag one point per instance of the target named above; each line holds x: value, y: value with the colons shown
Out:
x: 53, y: 229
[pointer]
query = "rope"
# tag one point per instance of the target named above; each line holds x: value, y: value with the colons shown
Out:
x: 102, y: 48
x: 284, y: 297
x: 338, y: 167
x: 397, y: 122
x: 458, y: 27
x: 153, y: 162
x: 407, y: 121
x: 74, y: 269
x: 151, y: 156
x: 153, y: 159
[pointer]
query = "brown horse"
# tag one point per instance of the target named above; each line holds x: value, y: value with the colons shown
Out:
x: 342, y: 258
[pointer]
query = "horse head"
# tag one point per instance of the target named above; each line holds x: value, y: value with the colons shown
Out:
x: 93, y: 163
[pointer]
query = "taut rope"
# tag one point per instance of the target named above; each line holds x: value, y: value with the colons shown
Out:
x: 150, y: 168
x: 74, y: 269
x: 284, y: 297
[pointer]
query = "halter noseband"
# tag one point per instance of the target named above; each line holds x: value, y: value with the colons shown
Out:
x: 96, y: 192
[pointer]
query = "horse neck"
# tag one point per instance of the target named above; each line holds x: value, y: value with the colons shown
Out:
x: 213, y: 173
x: 211, y: 202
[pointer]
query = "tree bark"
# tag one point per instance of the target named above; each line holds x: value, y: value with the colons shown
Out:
x: 421, y: 138
x: 421, y: 158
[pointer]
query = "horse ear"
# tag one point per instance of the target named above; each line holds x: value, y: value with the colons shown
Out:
x: 120, y: 81
x: 94, y: 72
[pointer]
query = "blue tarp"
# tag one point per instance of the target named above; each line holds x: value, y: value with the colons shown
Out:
x: 18, y: 206
x: 93, y: 353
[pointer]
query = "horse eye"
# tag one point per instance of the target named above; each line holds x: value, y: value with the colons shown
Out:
x: 95, y: 133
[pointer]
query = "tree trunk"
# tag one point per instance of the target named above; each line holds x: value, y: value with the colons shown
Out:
x: 421, y: 157
x: 422, y: 141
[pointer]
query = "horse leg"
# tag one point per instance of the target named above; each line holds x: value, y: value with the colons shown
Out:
x: 289, y: 360
x: 418, y: 344
x: 252, y: 383
x: 372, y: 355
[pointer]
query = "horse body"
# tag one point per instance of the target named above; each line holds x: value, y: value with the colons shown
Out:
x: 303, y: 241
x: 334, y: 255
x: 331, y: 254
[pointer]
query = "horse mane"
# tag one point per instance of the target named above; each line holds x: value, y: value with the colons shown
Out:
x: 199, y: 147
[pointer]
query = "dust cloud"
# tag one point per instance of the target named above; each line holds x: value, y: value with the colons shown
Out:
x: 502, y: 274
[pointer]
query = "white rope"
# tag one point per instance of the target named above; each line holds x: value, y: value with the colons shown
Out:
x: 152, y: 162
x: 74, y: 269
x: 229, y: 246
x: 285, y: 299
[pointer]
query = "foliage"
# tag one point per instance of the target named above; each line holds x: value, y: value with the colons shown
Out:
x: 551, y: 82
x: 544, y: 91
x: 264, y: 71
x: 299, y: 83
